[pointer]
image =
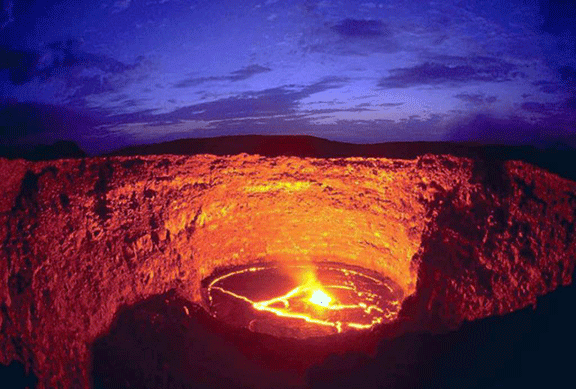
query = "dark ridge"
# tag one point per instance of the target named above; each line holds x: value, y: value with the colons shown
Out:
x: 58, y: 150
x: 559, y: 161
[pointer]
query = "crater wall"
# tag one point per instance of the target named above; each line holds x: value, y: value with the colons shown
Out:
x: 81, y: 238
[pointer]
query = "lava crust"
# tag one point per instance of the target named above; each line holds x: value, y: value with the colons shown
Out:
x: 82, y: 239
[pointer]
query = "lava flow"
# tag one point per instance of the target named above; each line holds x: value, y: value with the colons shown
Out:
x: 303, y: 300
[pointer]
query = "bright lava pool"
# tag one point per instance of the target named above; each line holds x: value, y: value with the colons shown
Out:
x: 302, y: 300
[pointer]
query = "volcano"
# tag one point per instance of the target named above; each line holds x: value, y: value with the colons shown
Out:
x: 255, y: 270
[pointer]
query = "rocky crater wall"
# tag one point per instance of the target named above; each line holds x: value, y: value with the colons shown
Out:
x: 465, y: 239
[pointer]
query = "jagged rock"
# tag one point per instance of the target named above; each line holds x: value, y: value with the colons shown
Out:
x: 82, y: 238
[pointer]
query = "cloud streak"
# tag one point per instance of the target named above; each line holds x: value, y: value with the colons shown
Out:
x: 7, y: 15
x: 55, y: 59
x: 360, y: 28
x: 237, y: 75
x: 460, y: 71
x: 476, y: 99
x: 120, y: 5
x: 29, y: 121
x: 269, y: 102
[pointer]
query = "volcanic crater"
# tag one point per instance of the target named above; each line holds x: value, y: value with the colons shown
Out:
x: 105, y: 261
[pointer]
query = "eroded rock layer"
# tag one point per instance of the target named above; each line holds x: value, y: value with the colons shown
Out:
x: 81, y: 238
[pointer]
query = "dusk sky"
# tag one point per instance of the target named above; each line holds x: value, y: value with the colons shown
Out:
x: 108, y: 74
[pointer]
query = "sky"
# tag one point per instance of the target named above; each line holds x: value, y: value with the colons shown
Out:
x: 108, y: 74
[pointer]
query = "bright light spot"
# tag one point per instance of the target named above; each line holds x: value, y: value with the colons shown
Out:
x: 320, y: 298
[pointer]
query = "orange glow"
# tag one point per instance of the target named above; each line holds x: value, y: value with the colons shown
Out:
x: 320, y: 298
x: 340, y: 306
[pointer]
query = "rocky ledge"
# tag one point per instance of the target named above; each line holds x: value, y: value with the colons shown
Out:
x: 80, y: 239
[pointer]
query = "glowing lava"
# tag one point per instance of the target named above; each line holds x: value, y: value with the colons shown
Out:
x: 320, y: 298
x: 303, y: 301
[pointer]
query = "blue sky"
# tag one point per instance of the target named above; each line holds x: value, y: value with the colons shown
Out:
x: 108, y: 74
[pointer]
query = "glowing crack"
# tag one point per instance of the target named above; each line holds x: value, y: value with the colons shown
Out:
x: 332, y: 296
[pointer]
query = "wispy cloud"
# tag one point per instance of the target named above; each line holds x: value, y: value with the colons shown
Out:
x: 120, y: 5
x: 546, y: 86
x: 476, y: 99
x: 34, y: 121
x: 56, y: 59
x: 510, y: 130
x: 247, y: 72
x: 390, y: 105
x: 195, y: 81
x: 335, y: 110
x: 237, y: 75
x: 6, y: 16
x: 454, y: 70
x: 281, y: 101
x: 360, y: 28
x: 535, y: 107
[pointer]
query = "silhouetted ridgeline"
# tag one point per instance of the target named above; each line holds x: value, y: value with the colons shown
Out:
x: 561, y: 161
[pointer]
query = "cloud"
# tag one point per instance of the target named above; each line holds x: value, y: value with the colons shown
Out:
x: 360, y: 28
x: 247, y: 72
x: 358, y: 108
x: 349, y: 37
x: 427, y: 73
x: 390, y: 105
x: 512, y: 130
x: 476, y: 99
x: 35, y: 122
x: 21, y: 65
x: 269, y: 102
x: 237, y: 75
x: 571, y: 103
x: 568, y: 75
x: 535, y: 107
x: 546, y: 86
x: 15, y: 14
x: 383, y: 105
x: 195, y: 81
x: 6, y: 15
x: 560, y: 113
x: 56, y: 58
x: 67, y: 72
x: 455, y: 70
x: 558, y: 22
x: 93, y: 85
x: 120, y: 5
x: 558, y: 15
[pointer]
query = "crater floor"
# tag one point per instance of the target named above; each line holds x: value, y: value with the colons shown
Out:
x: 303, y: 300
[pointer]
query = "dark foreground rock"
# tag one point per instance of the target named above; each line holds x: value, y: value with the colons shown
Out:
x: 529, y: 348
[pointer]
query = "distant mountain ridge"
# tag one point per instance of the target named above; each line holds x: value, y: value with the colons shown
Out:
x: 560, y: 161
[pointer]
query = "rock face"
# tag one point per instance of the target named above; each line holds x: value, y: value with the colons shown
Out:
x: 81, y: 238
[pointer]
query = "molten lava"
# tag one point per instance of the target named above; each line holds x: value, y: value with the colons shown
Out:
x: 319, y: 297
x: 302, y: 301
